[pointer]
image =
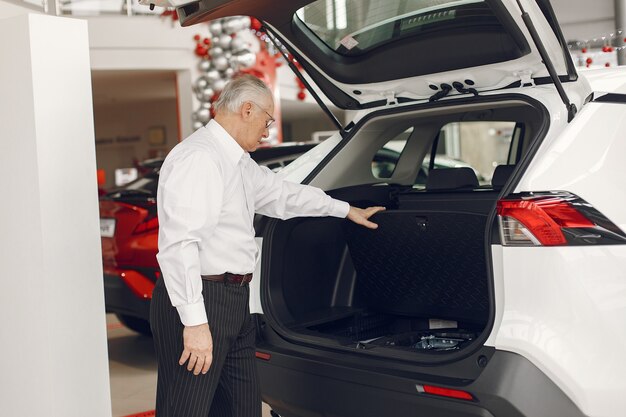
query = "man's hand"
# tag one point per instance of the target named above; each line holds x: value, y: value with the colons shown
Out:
x: 198, y: 348
x: 361, y: 216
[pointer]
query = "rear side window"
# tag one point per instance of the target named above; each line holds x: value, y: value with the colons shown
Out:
x: 386, y: 159
x: 479, y: 145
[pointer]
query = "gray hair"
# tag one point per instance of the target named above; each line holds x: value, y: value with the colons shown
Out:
x: 239, y: 90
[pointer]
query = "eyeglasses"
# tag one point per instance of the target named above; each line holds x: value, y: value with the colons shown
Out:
x: 269, y: 122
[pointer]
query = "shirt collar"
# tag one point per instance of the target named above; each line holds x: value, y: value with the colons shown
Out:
x: 233, y: 152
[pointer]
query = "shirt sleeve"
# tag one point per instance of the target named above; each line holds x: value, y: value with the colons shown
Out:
x: 189, y: 202
x: 276, y: 197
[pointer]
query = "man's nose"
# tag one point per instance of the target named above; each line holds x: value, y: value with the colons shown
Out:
x: 266, y: 133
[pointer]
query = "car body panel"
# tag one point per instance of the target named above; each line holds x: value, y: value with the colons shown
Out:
x: 565, y: 312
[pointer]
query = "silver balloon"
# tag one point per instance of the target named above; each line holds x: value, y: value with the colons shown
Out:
x: 206, y: 94
x: 212, y: 76
x: 215, y: 52
x: 202, y: 83
x: 219, y: 85
x: 204, y: 65
x: 228, y: 55
x: 229, y: 72
x: 238, y: 43
x: 220, y: 63
x: 230, y: 25
x: 197, y: 125
x: 245, y: 22
x: 224, y: 42
x: 245, y: 58
x: 215, y: 27
x: 206, y: 105
x: 203, y: 115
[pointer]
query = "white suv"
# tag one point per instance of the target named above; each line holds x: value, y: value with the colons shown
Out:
x: 506, y: 299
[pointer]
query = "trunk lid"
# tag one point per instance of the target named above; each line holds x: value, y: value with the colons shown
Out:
x: 365, y: 54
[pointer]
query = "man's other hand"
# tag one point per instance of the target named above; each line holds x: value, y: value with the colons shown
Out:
x: 361, y: 216
x: 198, y: 348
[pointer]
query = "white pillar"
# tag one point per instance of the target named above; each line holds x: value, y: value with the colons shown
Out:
x: 620, y: 24
x: 185, y: 102
x: 53, y: 351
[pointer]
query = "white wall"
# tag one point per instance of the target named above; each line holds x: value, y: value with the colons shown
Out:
x: 53, y: 351
x: 148, y: 43
x: 584, y: 19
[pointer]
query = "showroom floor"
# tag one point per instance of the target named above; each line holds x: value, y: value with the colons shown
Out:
x: 132, y: 366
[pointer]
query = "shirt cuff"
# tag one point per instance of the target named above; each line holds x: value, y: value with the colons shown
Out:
x: 339, y: 209
x: 192, y: 314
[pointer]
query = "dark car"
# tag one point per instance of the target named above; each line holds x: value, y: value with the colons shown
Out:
x: 129, y: 231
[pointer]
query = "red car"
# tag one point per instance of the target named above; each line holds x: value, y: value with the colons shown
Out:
x: 129, y: 229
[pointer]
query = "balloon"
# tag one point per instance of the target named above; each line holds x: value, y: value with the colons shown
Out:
x: 202, y: 83
x: 228, y: 55
x: 245, y: 22
x: 219, y: 85
x: 205, y: 105
x: 215, y: 27
x: 204, y: 65
x: 225, y: 41
x: 205, y: 94
x: 203, y: 115
x: 238, y: 43
x: 245, y: 58
x: 229, y: 72
x: 230, y: 25
x: 197, y: 125
x: 220, y: 63
x: 212, y: 76
x: 201, y: 50
x: 216, y: 51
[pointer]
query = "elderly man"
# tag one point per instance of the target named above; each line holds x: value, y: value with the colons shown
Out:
x: 209, y: 190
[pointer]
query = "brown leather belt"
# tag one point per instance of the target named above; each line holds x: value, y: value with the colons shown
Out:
x: 228, y: 278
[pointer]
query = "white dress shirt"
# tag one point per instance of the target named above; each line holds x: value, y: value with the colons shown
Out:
x: 209, y: 190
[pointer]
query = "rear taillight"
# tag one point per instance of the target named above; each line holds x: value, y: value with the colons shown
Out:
x: 554, y: 219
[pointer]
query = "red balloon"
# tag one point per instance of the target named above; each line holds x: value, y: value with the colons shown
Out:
x: 201, y: 50
x: 207, y: 41
x: 196, y: 38
x: 301, y: 95
x: 255, y: 23
x: 589, y: 61
x: 607, y: 65
x: 584, y: 50
x: 605, y: 48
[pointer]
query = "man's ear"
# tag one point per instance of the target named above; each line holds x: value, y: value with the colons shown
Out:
x: 246, y: 110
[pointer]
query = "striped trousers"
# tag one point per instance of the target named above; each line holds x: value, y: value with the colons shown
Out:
x: 231, y: 387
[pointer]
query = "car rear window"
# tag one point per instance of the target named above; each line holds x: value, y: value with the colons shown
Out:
x: 351, y: 29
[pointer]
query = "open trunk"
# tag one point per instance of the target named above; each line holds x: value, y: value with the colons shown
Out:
x: 418, y: 287
x: 419, y: 283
